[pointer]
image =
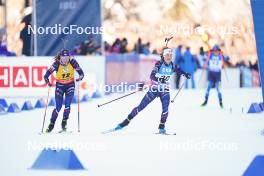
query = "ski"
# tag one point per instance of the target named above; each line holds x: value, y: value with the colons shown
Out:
x: 113, y: 130
x: 43, y: 133
x: 61, y: 131
x: 64, y: 131
x: 168, y: 134
x: 109, y: 131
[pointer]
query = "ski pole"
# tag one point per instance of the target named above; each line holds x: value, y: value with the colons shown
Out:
x: 140, y: 88
x: 201, y: 75
x: 78, y: 94
x: 117, y: 98
x: 204, y: 66
x: 46, y: 106
x: 172, y: 101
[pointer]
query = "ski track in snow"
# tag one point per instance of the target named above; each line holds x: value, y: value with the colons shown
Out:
x: 136, y: 150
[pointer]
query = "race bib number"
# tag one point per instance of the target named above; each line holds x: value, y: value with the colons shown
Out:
x: 164, y: 79
x: 215, y: 64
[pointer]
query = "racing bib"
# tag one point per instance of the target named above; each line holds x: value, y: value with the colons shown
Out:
x: 215, y: 63
x: 65, y: 74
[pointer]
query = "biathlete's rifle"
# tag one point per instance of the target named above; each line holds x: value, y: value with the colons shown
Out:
x: 167, y: 40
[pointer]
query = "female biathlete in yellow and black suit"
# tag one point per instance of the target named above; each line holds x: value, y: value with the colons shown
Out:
x: 64, y: 65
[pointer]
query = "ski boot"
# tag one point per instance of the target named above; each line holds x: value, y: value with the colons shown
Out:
x: 162, y: 131
x: 50, y: 127
x: 204, y: 103
x: 119, y: 127
x: 221, y: 104
x: 64, y: 125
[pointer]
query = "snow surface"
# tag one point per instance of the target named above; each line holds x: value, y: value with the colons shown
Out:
x: 136, y: 150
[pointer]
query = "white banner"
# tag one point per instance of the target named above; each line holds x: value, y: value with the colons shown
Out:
x: 23, y: 76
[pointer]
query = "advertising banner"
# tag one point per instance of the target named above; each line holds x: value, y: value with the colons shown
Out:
x: 23, y: 76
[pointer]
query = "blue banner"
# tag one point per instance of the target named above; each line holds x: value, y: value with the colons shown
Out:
x: 258, y: 19
x: 74, y: 20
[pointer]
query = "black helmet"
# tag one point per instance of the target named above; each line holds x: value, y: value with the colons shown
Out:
x: 64, y: 57
x: 65, y: 52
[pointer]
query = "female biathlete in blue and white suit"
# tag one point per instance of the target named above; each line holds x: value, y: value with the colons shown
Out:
x: 160, y: 77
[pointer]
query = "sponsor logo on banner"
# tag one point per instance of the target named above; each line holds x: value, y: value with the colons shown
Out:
x: 4, y: 76
x: 23, y: 76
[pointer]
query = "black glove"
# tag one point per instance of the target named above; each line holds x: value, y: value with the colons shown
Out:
x: 47, y: 81
x: 80, y: 78
x: 140, y: 86
x: 162, y: 80
x: 187, y: 75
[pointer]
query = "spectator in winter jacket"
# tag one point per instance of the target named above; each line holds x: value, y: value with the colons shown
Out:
x: 189, y: 66
x: 178, y: 61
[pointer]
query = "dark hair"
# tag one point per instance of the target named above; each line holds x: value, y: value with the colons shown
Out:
x: 57, y: 57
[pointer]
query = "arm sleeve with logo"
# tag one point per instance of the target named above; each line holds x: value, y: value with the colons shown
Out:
x: 54, y: 67
x: 77, y: 67
x: 155, y: 70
